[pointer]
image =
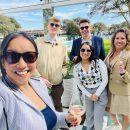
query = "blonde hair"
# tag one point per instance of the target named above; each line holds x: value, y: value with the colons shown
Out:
x: 54, y: 19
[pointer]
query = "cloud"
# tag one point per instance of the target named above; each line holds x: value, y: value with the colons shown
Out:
x: 30, y: 20
x: 71, y: 14
x: 73, y: 11
x: 64, y: 15
x: 34, y: 13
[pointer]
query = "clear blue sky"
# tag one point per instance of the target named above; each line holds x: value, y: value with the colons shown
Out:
x: 34, y: 19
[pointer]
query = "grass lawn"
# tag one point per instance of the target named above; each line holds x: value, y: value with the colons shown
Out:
x: 107, y: 44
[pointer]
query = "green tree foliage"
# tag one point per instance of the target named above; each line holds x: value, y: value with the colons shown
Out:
x: 69, y: 74
x: 123, y: 25
x: 70, y: 27
x: 47, y: 13
x: 76, y: 20
x: 16, y: 24
x: 8, y: 25
x: 114, y: 27
x: 99, y: 28
x: 122, y: 7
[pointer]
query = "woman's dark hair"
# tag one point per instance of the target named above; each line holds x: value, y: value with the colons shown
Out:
x: 92, y: 57
x: 5, y: 44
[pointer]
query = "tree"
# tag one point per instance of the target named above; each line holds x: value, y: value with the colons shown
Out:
x: 76, y: 20
x: 122, y: 7
x: 123, y: 25
x: 112, y: 29
x: 71, y: 28
x: 47, y: 13
x: 17, y: 25
x: 8, y: 25
x: 115, y: 27
x: 99, y: 28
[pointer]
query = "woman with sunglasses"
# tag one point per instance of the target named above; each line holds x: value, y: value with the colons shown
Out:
x: 91, y: 79
x: 24, y: 101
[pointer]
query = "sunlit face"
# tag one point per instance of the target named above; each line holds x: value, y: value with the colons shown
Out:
x: 54, y: 27
x: 120, y: 41
x: 86, y: 31
x: 20, y: 72
x: 85, y: 52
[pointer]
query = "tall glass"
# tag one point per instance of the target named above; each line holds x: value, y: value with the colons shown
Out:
x: 121, y: 62
x: 77, y: 110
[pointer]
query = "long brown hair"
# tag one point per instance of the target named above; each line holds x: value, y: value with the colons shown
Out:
x: 112, y: 49
x: 127, y: 35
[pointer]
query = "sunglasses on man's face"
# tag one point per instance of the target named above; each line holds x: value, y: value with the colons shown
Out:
x: 83, y: 50
x: 53, y: 24
x: 85, y: 27
x: 14, y: 57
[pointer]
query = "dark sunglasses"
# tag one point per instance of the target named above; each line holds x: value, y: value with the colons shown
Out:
x: 85, y: 27
x: 53, y: 24
x: 87, y: 50
x: 14, y: 57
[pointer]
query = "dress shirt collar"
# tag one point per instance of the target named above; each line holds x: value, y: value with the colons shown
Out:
x: 89, y: 40
x: 51, y: 40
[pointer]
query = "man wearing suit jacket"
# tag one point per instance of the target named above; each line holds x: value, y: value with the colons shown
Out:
x: 96, y: 42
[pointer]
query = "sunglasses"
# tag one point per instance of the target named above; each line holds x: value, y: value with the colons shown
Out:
x: 87, y: 50
x: 53, y: 24
x: 85, y: 27
x: 14, y: 57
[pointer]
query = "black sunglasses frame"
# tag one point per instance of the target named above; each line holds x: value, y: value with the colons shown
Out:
x: 85, y: 27
x: 83, y: 50
x: 53, y: 24
x: 13, y: 57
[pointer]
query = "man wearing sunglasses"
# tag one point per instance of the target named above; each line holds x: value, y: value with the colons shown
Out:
x: 52, y: 61
x: 96, y: 42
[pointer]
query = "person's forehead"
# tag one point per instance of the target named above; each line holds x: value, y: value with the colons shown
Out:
x: 19, y: 42
x: 85, y: 23
x: 120, y: 34
x: 54, y: 21
x: 85, y: 46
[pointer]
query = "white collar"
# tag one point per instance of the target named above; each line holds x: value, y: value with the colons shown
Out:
x: 51, y: 40
x: 89, y: 40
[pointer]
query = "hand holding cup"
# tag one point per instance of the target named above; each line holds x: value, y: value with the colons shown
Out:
x: 121, y: 68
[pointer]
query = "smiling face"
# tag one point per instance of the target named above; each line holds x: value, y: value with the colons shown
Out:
x: 87, y: 29
x: 53, y: 27
x: 85, y: 52
x: 19, y: 72
x: 120, y: 41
